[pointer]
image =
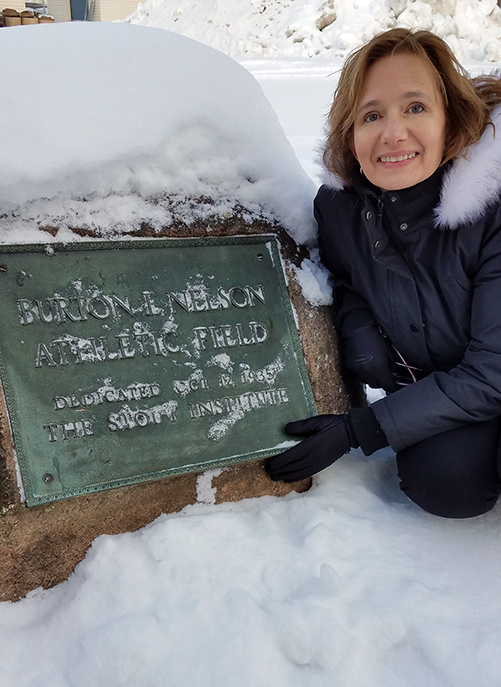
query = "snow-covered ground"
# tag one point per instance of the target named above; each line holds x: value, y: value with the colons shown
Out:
x: 348, y: 585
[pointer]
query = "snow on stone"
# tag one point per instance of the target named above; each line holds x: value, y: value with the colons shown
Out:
x: 326, y: 28
x: 314, y: 280
x: 206, y: 493
x: 137, y: 125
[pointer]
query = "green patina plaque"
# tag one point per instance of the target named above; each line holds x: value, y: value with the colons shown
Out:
x: 124, y: 362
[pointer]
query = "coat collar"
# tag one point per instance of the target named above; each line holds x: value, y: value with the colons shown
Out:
x: 470, y: 185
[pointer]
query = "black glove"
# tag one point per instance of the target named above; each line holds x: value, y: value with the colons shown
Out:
x: 368, y: 353
x: 329, y: 438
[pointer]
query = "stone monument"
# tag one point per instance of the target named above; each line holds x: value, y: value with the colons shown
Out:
x: 171, y: 342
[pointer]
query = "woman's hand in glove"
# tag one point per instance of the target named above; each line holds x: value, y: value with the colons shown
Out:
x: 328, y: 438
x: 368, y: 354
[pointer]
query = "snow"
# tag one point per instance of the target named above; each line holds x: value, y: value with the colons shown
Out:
x: 325, y: 28
x: 313, y: 278
x: 124, y: 141
x: 347, y: 585
x: 206, y: 493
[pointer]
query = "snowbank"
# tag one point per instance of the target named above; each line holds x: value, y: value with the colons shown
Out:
x: 326, y: 28
x: 112, y: 125
x: 348, y: 585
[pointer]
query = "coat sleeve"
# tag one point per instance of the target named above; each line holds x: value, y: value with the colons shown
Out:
x: 470, y: 391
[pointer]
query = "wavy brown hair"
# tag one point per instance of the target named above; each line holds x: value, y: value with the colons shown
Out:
x: 467, y: 102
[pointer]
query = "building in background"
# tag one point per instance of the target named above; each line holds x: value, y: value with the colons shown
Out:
x: 18, y: 5
x: 90, y: 10
x: 80, y: 10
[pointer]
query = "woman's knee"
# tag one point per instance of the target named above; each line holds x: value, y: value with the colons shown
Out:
x: 454, y: 474
x: 447, y: 495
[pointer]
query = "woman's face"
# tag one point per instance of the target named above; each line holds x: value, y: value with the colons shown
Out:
x: 399, y: 128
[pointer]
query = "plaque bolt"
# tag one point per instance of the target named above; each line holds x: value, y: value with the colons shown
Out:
x: 260, y: 256
x: 3, y: 268
x: 48, y: 478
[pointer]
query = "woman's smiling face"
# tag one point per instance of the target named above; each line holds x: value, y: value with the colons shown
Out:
x: 400, y: 124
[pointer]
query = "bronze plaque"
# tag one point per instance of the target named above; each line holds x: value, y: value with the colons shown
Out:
x: 128, y: 361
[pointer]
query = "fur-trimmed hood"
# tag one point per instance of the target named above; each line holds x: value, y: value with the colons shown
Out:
x: 470, y: 185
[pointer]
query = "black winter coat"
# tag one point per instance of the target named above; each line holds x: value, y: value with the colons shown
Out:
x: 427, y: 262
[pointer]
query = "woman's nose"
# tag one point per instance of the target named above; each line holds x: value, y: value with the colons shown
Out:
x: 395, y: 130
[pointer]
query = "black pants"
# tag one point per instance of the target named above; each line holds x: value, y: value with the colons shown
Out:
x: 454, y: 474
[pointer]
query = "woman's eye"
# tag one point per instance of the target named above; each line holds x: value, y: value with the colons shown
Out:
x: 372, y: 117
x: 416, y: 109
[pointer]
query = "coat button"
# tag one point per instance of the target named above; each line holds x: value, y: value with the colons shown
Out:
x: 377, y: 244
x: 393, y: 199
x: 414, y: 328
x: 403, y: 226
x: 368, y: 215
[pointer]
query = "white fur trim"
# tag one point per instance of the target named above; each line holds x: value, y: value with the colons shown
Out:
x: 473, y: 182
x: 326, y: 176
x: 331, y: 180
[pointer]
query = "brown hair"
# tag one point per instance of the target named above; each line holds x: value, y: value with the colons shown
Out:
x: 467, y: 102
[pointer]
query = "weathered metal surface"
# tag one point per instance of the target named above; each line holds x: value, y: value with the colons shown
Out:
x: 129, y: 361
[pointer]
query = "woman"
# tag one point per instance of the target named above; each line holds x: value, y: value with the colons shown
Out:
x: 410, y: 227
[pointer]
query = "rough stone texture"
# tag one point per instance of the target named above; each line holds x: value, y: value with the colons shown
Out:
x: 40, y: 546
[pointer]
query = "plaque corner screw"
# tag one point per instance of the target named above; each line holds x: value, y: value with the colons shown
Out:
x: 48, y: 478
x: 260, y: 256
x: 3, y: 268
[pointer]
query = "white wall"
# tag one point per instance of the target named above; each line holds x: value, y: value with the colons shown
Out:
x: 59, y: 9
x: 109, y: 10
x: 104, y: 10
x: 17, y: 5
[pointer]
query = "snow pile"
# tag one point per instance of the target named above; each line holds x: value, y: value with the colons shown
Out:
x: 137, y: 125
x: 348, y: 585
x: 314, y: 279
x: 327, y: 28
